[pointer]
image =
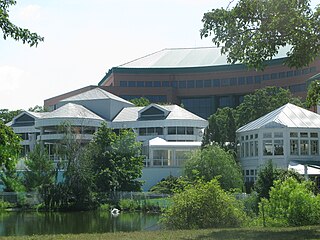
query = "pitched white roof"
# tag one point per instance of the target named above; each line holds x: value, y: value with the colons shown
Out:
x: 94, y: 94
x: 175, y: 112
x: 288, y: 115
x: 71, y: 110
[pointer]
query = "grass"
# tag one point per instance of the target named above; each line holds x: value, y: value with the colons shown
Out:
x: 309, y: 233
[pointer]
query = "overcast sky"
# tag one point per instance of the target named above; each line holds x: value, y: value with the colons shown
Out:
x: 83, y: 39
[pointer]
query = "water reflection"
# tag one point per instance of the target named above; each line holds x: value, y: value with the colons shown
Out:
x: 28, y: 223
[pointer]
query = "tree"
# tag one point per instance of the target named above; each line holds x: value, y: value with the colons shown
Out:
x: 203, y: 205
x: 313, y: 95
x: 268, y: 174
x: 253, y: 31
x: 9, y: 147
x: 116, y: 160
x: 6, y: 115
x: 38, y: 108
x: 40, y: 169
x: 140, y: 102
x: 213, y: 161
x: 221, y: 128
x: 263, y: 101
x: 13, y: 31
x: 224, y: 123
x: 169, y: 185
x: 291, y: 203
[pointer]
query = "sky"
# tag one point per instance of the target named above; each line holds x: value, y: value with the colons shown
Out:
x: 84, y: 39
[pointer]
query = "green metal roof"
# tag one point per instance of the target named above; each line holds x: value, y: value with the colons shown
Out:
x: 176, y: 60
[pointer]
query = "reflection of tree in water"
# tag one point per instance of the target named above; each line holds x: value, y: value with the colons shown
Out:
x: 29, y: 223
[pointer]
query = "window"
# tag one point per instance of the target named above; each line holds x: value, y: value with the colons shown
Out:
x: 266, y: 77
x: 297, y: 72
x: 174, y: 84
x: 304, y: 134
x: 190, y: 84
x: 123, y: 83
x: 140, y: 84
x: 314, y: 135
x: 246, y: 144
x: 314, y: 147
x: 225, y: 82
x: 241, y: 80
x: 181, y: 130
x: 304, y: 147
x: 207, y: 83
x: 282, y: 74
x: 182, y: 84
x: 172, y: 130
x: 290, y: 74
x: 278, y: 134
x: 233, y: 81
x: 156, y: 84
x: 189, y: 130
x: 256, y: 152
x: 267, y: 135
x: 274, y: 75
x: 216, y: 83
x: 249, y: 79
x: 293, y: 134
x: 165, y: 84
x: 294, y: 147
x: 267, y: 147
x: 132, y: 84
x: 251, y: 148
x: 148, y: 84
x: 257, y: 79
x: 142, y: 131
x: 278, y: 147
x: 199, y: 84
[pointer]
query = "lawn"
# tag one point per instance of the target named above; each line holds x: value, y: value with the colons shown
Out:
x: 237, y: 233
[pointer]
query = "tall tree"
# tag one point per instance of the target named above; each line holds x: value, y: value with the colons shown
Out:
x: 116, y: 160
x: 213, y: 161
x: 313, y: 95
x: 252, y: 31
x: 13, y: 31
x: 140, y: 102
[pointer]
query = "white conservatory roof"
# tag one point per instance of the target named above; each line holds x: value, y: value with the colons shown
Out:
x: 175, y: 112
x: 95, y: 94
x: 289, y: 115
x: 311, y: 170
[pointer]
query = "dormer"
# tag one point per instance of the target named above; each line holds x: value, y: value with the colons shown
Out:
x: 24, y: 119
x: 153, y: 112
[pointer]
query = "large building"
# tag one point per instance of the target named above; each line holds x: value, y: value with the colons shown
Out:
x: 289, y: 136
x: 167, y: 132
x: 201, y: 79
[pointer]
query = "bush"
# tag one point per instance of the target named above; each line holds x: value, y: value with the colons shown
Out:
x: 4, y: 205
x: 204, y: 205
x: 129, y: 205
x: 291, y: 204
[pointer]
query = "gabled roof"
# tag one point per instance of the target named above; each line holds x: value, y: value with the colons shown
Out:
x: 288, y: 115
x: 34, y: 115
x: 94, y: 94
x: 175, y: 112
x: 71, y: 110
x: 153, y: 111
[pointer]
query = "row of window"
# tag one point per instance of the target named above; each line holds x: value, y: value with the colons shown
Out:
x: 221, y: 82
x: 280, y: 135
x: 153, y: 131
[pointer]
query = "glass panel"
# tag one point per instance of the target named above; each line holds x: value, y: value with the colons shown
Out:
x: 278, y: 147
x: 189, y: 130
x: 267, y: 147
x: 294, y: 147
x: 293, y: 134
x: 314, y: 135
x: 304, y: 134
x: 159, y: 131
x: 267, y: 135
x: 181, y: 130
x: 172, y: 130
x: 142, y: 131
x: 278, y: 134
x: 314, y: 147
x: 251, y: 149
x: 256, y: 152
x: 304, y: 147
x: 247, y: 149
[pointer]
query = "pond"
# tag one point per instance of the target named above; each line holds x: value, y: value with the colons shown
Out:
x: 29, y: 223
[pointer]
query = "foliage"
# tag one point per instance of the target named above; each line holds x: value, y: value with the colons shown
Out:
x: 13, y: 31
x: 129, y: 205
x: 9, y: 147
x: 213, y: 161
x: 38, y: 108
x: 116, y: 160
x: 204, y: 205
x: 40, y: 169
x: 4, y: 205
x: 169, y: 185
x: 313, y: 95
x: 104, y: 207
x: 291, y: 203
x: 253, y: 31
x: 12, y: 181
x: 224, y: 123
x: 221, y: 128
x: 6, y: 115
x: 140, y: 102
x: 263, y: 101
x: 268, y: 174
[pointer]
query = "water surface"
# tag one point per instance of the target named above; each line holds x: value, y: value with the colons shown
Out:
x: 29, y: 223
